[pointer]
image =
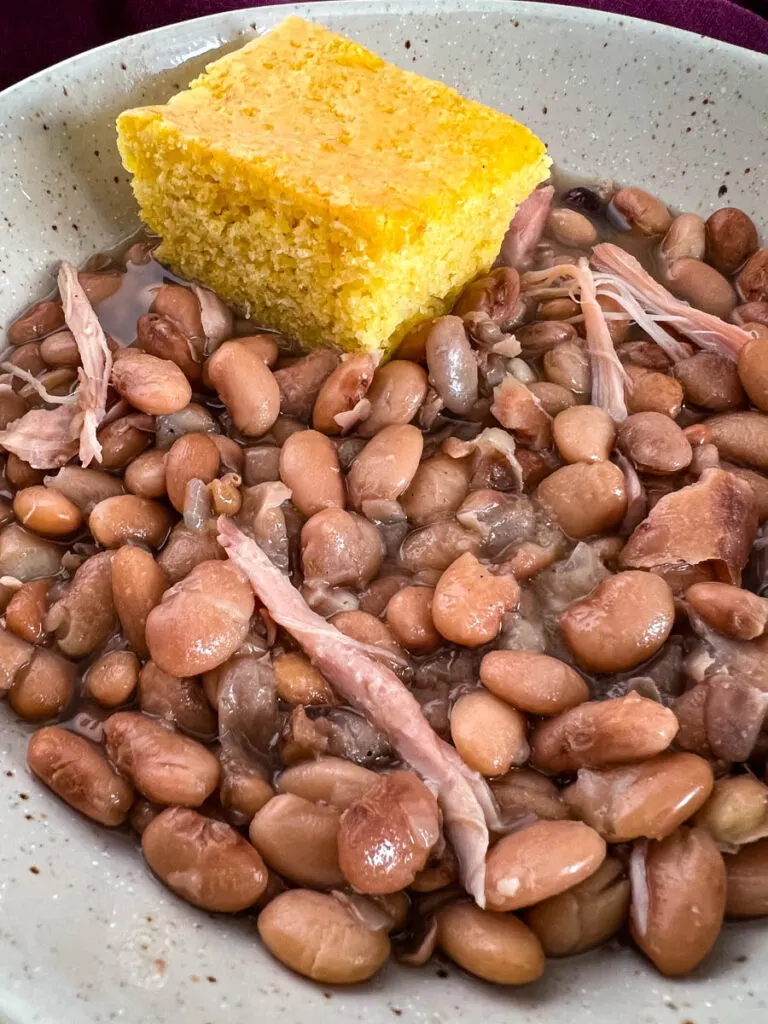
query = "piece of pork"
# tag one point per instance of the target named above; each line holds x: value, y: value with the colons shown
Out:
x: 526, y: 228
x: 712, y: 521
x: 465, y: 798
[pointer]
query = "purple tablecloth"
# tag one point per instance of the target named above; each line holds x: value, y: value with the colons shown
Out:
x: 36, y: 33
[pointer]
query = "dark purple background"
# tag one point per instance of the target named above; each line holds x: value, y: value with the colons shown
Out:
x: 37, y: 33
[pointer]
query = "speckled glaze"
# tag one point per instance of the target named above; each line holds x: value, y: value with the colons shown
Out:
x: 87, y: 936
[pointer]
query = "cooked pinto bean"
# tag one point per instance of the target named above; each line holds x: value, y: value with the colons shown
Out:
x: 653, y: 392
x: 649, y: 799
x: 747, y: 881
x: 138, y: 584
x: 386, y: 466
x: 489, y: 734
x: 300, y: 383
x: 152, y: 385
x: 535, y: 683
x: 495, y: 947
x: 186, y: 549
x: 60, y: 349
x: 39, y: 320
x: 20, y: 474
x: 495, y: 295
x: 25, y: 556
x: 192, y: 457
x: 328, y: 780
x: 452, y: 365
x: 309, y: 466
x: 553, y: 398
x: 385, y: 837
x: 341, y: 393
x: 180, y: 701
x: 367, y: 629
x: 12, y: 408
x: 753, y: 371
x: 79, y: 773
x: 317, y: 936
x: 244, y: 789
x: 731, y: 239
x: 654, y: 443
x: 396, y: 394
x: 470, y: 601
x: 622, y: 622
x: 586, y: 915
x: 246, y: 386
x: 678, y: 899
x: 112, y: 679
x: 340, y: 548
x: 85, y: 616
x: 686, y: 238
x: 741, y: 437
x: 409, y: 615
x: 299, y: 682
x: 14, y: 654
x: 711, y: 381
x: 201, y: 621
x: 165, y: 767
x: 585, y: 499
x: 736, y: 810
x: 702, y: 286
x: 438, y: 487
x: 127, y: 519
x: 46, y: 511
x: 298, y: 839
x: 123, y: 439
x: 566, y: 364
x: 524, y: 791
x: 205, y: 862
x: 540, y: 861
x: 584, y: 433
x: 598, y: 734
x: 85, y: 488
x: 25, y: 613
x: 735, y: 612
x: 43, y: 687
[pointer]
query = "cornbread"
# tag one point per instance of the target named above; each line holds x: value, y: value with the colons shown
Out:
x: 324, y: 192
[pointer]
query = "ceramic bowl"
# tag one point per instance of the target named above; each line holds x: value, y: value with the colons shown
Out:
x: 87, y: 935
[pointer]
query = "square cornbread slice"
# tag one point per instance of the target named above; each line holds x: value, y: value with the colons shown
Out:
x: 326, y: 193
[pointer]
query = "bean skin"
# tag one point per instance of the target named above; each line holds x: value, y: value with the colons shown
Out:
x: 470, y: 601
x: 540, y: 861
x: 298, y: 839
x: 193, y: 456
x: 340, y: 548
x: 46, y: 511
x: 386, y: 466
x: 494, y: 947
x: 127, y: 519
x: 341, y: 392
x: 489, y: 735
x: 152, y: 385
x: 25, y: 613
x: 599, y: 734
x: 112, y: 679
x: 396, y: 394
x: 43, y: 688
x: 318, y: 937
x: 585, y: 499
x: 138, y: 584
x: 165, y: 767
x: 204, y: 861
x: 730, y: 610
x: 534, y: 683
x: 79, y: 773
x: 309, y: 466
x: 409, y: 616
x: 246, y: 386
x: 437, y: 489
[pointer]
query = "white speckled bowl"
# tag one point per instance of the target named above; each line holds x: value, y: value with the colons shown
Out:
x: 86, y: 934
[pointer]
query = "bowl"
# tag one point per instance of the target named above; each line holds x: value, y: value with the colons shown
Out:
x: 87, y: 935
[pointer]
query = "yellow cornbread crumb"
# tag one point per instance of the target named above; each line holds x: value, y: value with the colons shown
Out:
x: 327, y: 194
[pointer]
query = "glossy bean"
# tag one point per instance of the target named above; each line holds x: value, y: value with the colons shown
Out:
x: 523, y: 792
x: 60, y: 349
x: 741, y: 437
x: 112, y: 678
x: 438, y: 487
x: 452, y: 365
x: 584, y: 433
x: 39, y: 320
x: 138, y: 584
x: 702, y: 286
x: 470, y: 601
x: 731, y: 239
x: 730, y: 610
x: 300, y: 383
x: 191, y: 457
x: 43, y: 687
x: 495, y: 947
x: 340, y: 548
x: 46, y: 511
x: 599, y: 734
x: 246, y: 386
x: 686, y: 238
x: 653, y: 392
x: 127, y: 519
x: 85, y: 615
x: 585, y: 499
x: 122, y: 440
x: 152, y: 385
x: 180, y: 701
x: 85, y: 488
x: 299, y: 682
x: 367, y: 629
x: 409, y: 616
x: 747, y: 881
x: 571, y: 228
x: 186, y: 549
x: 386, y: 466
x: 489, y: 735
x: 145, y: 475
x: 736, y: 811
x: 753, y: 371
x: 642, y: 211
x: 396, y: 393
x: 710, y: 380
x: 298, y: 839
x: 566, y: 364
x: 654, y: 443
x: 309, y: 466
x: 534, y: 683
x: 25, y: 612
x: 341, y: 392
x: 327, y: 780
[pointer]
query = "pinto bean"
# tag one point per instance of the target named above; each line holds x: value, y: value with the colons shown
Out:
x: 396, y: 394
x: 193, y: 456
x: 341, y: 392
x: 27, y: 357
x: 25, y: 613
x: 599, y: 734
x: 85, y: 616
x: 553, y: 310
x: 435, y: 547
x: 409, y: 616
x: 246, y: 386
x: 386, y: 466
x: 112, y: 679
x: 298, y: 839
x: 702, y: 286
x: 85, y: 488
x: 79, y: 773
x: 15, y: 653
x: 536, y: 339
x: 299, y: 682
x: 386, y: 836
x: 340, y: 548
x: 584, y: 433
x: 523, y: 792
x: 145, y: 475
x: 138, y: 584
x: 46, y: 511
x: 747, y: 881
x: 654, y: 443
x: 186, y: 549
x: 25, y: 556
x: 43, y: 687
x: 642, y: 211
x: 127, y: 519
x: 152, y: 385
x: 437, y: 489
x: 678, y: 899
x: 122, y: 440
x: 39, y: 320
x: 753, y: 371
x: 201, y: 621
x: 711, y: 381
x: 495, y: 947
x: 452, y: 365
x: 317, y: 936
x: 244, y: 788
x: 534, y: 683
x: 622, y: 622
x: 205, y: 862
x: 585, y: 499
x: 165, y: 767
x: 367, y: 629
x: 730, y: 610
x: 12, y: 408
x: 649, y: 799
x: 328, y: 780
x: 731, y: 239
x: 540, y: 861
x: 553, y: 398
x: 300, y: 382
x: 488, y: 733
x: 571, y: 228
x: 261, y: 465
x: 735, y: 810
x: 741, y: 437
x: 60, y: 349
x: 566, y: 364
x: 586, y: 915
x: 653, y: 392
x: 685, y: 239
x: 180, y: 701
x: 495, y: 295
x: 309, y: 466
x: 20, y: 474
x: 167, y: 337
x: 470, y: 601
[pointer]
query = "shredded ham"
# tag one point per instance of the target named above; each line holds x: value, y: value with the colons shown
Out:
x: 95, y: 357
x: 628, y: 276
x: 28, y: 378
x: 609, y: 378
x: 44, y: 438
x: 526, y: 228
x: 639, y: 885
x: 465, y: 798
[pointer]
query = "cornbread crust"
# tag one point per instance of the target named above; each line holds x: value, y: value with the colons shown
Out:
x: 326, y: 193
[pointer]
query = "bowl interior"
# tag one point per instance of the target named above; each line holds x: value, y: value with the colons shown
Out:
x: 86, y: 934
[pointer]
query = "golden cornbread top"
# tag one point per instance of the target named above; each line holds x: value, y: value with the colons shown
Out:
x: 322, y: 117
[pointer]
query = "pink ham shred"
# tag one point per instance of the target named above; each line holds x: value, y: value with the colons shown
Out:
x: 526, y: 228
x: 465, y: 798
x: 44, y: 438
